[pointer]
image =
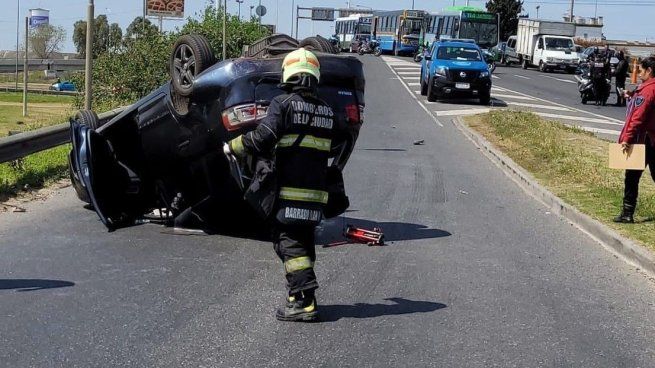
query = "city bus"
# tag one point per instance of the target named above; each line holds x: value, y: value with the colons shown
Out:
x: 353, y: 27
x: 398, y: 31
x: 464, y: 22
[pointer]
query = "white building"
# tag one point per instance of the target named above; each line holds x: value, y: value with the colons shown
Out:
x: 588, y: 28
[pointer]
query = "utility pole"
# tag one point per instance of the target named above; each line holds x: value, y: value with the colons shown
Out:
x: 251, y: 8
x: 25, y: 68
x: 88, y: 75
x: 292, y: 6
x: 17, y: 39
x: 224, y: 29
x: 538, y: 6
x: 239, y: 2
x: 571, y: 11
x: 413, y: 3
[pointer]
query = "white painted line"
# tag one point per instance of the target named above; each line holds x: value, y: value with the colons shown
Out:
x: 462, y: 112
x: 495, y: 77
x: 417, y: 92
x: 559, y: 79
x: 599, y: 130
x: 407, y: 67
x: 499, y: 89
x: 605, y: 118
x: 520, y: 76
x: 417, y: 100
x: 543, y: 107
x: 512, y: 97
x: 413, y: 84
x: 411, y: 78
x: 577, y: 118
x: 409, y: 73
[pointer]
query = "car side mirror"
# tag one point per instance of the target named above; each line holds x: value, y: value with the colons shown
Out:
x: 428, y: 57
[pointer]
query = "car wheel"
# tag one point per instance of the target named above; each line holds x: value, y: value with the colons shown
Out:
x: 191, y: 56
x: 542, y: 67
x: 88, y: 118
x: 377, y: 51
x: 360, y: 51
x: 485, y: 99
x: 584, y: 100
x: 424, y: 87
x: 525, y: 64
x: 431, y: 96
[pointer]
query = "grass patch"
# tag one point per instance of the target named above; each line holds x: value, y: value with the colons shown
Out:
x: 42, y: 111
x: 34, y: 171
x: 572, y: 164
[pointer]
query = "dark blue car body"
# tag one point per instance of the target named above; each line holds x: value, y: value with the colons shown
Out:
x: 455, y: 69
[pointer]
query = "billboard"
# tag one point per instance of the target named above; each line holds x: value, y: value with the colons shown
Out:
x: 39, y: 17
x: 323, y: 14
x: 165, y: 8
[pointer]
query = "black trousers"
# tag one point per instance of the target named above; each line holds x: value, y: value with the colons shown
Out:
x: 295, y: 245
x: 632, y: 178
x: 620, y: 83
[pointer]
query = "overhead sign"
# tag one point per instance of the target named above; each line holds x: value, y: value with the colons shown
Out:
x: 260, y: 10
x: 165, y: 8
x: 39, y: 17
x: 323, y: 14
x: 344, y: 13
x: 483, y: 16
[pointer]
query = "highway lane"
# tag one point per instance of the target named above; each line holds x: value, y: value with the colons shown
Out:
x: 476, y: 274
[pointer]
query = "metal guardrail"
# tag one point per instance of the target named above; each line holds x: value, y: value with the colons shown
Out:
x: 41, y: 91
x: 23, y: 144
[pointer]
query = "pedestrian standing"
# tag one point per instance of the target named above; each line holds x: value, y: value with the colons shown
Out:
x: 297, y: 133
x: 621, y: 75
x: 639, y: 128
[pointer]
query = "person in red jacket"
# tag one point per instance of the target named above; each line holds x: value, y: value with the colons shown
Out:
x: 639, y: 128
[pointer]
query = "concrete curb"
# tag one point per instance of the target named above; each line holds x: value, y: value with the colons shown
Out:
x: 621, y: 246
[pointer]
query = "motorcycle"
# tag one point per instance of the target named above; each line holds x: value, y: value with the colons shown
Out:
x: 586, y: 86
x: 336, y: 44
x: 370, y: 47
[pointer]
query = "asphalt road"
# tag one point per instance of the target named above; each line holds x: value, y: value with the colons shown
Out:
x: 475, y: 274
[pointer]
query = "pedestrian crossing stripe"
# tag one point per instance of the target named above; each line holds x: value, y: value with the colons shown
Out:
x: 542, y: 107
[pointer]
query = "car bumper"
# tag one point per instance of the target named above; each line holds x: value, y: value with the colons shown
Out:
x: 562, y: 65
x: 478, y: 87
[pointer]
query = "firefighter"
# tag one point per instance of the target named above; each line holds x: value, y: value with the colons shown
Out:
x: 639, y: 128
x: 621, y: 75
x: 297, y: 132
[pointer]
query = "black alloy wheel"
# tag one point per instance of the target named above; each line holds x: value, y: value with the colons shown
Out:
x: 191, y: 56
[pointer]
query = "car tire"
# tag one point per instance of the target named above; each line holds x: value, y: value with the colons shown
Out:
x: 327, y: 46
x: 88, y: 118
x: 430, y: 93
x: 542, y: 67
x: 485, y: 99
x: 191, y: 56
x: 525, y: 64
x: 360, y: 51
x: 316, y: 44
x: 377, y: 51
x: 424, y: 87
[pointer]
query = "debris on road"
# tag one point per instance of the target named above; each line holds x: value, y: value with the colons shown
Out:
x: 370, y: 237
x: 419, y: 142
x: 463, y: 192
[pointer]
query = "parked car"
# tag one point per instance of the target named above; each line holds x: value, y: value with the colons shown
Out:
x: 63, y: 86
x: 510, y: 55
x: 165, y: 151
x: 455, y: 69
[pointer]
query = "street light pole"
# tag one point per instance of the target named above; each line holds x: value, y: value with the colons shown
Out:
x: 26, y: 68
x: 293, y: 4
x: 89, y: 57
x: 17, y: 39
x: 571, y: 11
x: 538, y: 6
x: 239, y: 2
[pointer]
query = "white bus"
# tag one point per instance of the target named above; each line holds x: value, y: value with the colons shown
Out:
x: 350, y: 28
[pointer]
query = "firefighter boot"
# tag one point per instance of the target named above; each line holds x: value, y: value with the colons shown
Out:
x: 627, y: 214
x: 300, y: 307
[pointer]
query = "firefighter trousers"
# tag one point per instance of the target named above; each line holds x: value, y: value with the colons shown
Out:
x: 295, y: 245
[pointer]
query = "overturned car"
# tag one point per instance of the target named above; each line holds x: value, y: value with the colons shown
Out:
x: 165, y: 151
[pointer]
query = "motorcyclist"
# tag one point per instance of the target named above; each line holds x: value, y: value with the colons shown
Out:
x: 297, y: 132
x: 621, y: 75
x: 599, y: 70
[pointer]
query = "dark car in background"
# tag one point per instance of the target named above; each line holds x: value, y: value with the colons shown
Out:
x: 165, y: 151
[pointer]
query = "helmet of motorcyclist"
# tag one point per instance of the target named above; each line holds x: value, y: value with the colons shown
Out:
x: 300, y: 64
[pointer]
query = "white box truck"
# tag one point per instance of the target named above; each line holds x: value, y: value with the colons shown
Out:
x: 546, y: 44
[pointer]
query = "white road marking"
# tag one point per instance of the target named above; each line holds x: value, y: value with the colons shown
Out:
x: 462, y: 112
x: 499, y: 89
x: 407, y: 67
x: 417, y: 92
x: 599, y: 130
x: 577, y: 118
x: 520, y: 76
x: 409, y: 73
x: 560, y: 79
x: 417, y: 100
x: 535, y: 106
x: 495, y: 77
x: 413, y: 84
x: 512, y: 97
x: 411, y: 78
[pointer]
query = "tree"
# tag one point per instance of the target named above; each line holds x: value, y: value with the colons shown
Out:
x: 140, y: 28
x: 508, y: 11
x: 103, y: 36
x: 115, y: 37
x: 46, y: 39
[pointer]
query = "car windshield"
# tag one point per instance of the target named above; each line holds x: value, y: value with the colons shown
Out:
x: 484, y: 34
x: 559, y: 44
x: 364, y: 29
x: 458, y: 53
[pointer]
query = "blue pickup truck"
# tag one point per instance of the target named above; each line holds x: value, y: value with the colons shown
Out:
x: 455, y: 69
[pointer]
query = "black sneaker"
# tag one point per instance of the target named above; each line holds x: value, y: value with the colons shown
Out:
x: 624, y: 218
x: 298, y: 310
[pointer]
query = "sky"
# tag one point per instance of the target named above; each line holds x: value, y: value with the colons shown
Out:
x: 622, y: 20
